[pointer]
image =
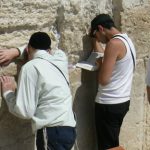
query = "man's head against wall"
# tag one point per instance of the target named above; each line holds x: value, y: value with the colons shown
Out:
x: 104, y: 20
x: 38, y: 41
x: 101, y: 26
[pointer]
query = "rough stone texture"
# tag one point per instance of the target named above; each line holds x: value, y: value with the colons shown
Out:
x: 18, y: 20
x: 71, y: 18
x: 137, y: 123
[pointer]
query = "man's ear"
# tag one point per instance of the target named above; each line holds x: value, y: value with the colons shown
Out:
x: 100, y: 28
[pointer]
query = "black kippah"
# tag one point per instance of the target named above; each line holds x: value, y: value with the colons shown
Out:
x: 40, y: 40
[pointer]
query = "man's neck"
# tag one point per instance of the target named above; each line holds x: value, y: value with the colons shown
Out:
x: 112, y: 32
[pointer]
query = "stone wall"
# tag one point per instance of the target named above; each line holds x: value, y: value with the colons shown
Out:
x: 136, y: 22
x: 71, y: 18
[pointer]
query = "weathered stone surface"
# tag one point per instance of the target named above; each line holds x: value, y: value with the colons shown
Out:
x: 84, y: 108
x: 71, y: 18
x: 146, y: 121
x: 18, y: 20
x: 136, y: 23
x: 132, y: 132
x: 128, y: 4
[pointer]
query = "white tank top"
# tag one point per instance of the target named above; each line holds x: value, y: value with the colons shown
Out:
x: 118, y: 90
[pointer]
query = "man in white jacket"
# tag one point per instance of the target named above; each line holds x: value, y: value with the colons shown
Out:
x: 43, y: 95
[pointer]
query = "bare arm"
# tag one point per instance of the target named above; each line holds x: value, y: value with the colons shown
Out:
x: 22, y: 105
x: 114, y: 51
x: 148, y: 94
x: 7, y: 55
x: 97, y: 47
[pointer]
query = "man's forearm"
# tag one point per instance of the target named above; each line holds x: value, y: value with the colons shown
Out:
x: 15, y: 52
x: 148, y: 93
x: 97, y: 47
x: 10, y: 99
x: 7, y: 55
x: 99, y: 62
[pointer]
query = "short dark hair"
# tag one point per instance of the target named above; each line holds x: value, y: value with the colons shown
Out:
x: 104, y: 20
x: 40, y: 40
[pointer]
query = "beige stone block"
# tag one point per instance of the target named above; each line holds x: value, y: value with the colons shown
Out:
x: 128, y: 4
x: 136, y: 22
x: 10, y: 70
x: 19, y: 19
x: 131, y: 138
x: 136, y: 125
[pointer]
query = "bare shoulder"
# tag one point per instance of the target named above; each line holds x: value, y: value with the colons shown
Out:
x: 113, y: 45
x: 115, y: 42
x: 116, y: 47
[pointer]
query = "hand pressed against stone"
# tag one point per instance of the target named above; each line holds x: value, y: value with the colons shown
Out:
x: 8, y: 83
x: 7, y: 55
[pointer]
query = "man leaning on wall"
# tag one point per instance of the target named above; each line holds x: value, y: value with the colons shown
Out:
x: 114, y: 79
x: 43, y: 93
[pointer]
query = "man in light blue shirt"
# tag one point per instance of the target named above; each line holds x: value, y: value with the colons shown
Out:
x: 43, y: 95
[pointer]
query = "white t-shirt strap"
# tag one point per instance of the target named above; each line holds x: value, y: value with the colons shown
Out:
x: 133, y: 58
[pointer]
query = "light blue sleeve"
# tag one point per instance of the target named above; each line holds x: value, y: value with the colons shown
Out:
x: 59, y: 55
x: 23, y: 105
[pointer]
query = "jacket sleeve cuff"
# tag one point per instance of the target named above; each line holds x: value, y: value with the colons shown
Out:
x: 6, y: 93
x: 21, y: 51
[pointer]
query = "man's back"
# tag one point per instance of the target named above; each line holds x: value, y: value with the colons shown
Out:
x: 52, y: 93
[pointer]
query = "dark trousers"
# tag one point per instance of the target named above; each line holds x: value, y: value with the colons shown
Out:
x: 108, y: 119
x: 58, y: 138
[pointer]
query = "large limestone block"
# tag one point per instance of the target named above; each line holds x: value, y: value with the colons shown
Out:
x: 71, y: 18
x: 136, y: 22
x: 135, y: 130
x: 84, y: 108
x: 133, y: 125
x: 128, y: 4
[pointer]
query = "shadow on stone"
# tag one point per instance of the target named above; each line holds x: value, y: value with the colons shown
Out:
x: 84, y: 106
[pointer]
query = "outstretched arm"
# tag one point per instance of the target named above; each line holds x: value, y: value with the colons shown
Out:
x: 97, y: 46
x: 7, y: 55
x: 22, y: 105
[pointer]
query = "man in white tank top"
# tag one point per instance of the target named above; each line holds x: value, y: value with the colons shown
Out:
x: 114, y: 77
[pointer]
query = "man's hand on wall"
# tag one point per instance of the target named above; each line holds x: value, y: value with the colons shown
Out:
x: 8, y: 84
x: 7, y: 55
